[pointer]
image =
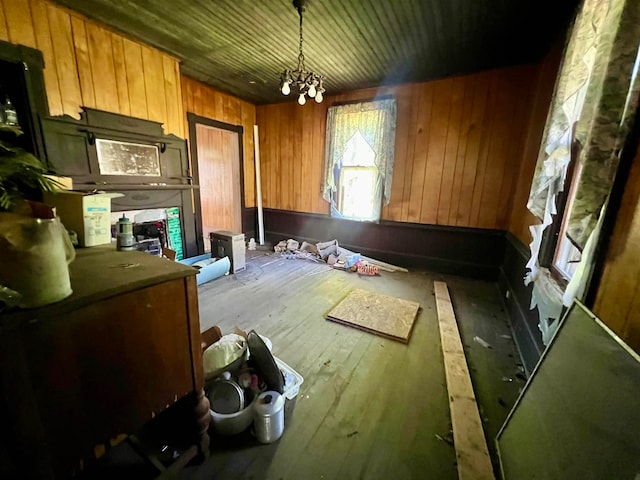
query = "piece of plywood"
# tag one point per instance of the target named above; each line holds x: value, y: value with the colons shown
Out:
x: 472, y: 454
x: 379, y: 314
x: 578, y: 415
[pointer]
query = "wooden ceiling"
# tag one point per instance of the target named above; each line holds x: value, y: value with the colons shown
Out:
x: 241, y: 46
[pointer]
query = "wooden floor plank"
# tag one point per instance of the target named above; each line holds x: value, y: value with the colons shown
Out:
x: 369, y: 407
x: 472, y: 453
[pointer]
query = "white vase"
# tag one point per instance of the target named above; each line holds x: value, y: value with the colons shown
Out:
x: 34, y: 258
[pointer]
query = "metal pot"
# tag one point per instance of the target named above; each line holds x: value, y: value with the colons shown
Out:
x: 226, y: 397
x: 268, y: 417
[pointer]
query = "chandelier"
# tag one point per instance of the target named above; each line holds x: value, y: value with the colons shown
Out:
x: 304, y: 82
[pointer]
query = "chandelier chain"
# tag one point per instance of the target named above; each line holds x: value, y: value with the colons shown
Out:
x: 300, y: 55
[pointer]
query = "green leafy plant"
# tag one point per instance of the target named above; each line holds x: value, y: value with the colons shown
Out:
x: 22, y: 175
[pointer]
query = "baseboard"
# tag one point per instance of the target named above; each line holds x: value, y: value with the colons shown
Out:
x: 250, y: 222
x: 469, y: 252
x: 517, y: 300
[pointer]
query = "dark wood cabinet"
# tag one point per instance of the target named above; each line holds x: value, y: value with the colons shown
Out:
x: 124, y: 347
x: 72, y: 151
x: 22, y: 81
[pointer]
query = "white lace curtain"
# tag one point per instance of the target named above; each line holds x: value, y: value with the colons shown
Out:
x: 372, y: 122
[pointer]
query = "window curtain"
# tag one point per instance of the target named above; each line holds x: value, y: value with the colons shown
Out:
x: 375, y: 121
x: 597, y: 90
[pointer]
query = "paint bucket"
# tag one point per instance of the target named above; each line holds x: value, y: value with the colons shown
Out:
x: 268, y: 417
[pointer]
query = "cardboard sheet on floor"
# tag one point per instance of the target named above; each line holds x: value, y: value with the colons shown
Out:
x: 379, y: 314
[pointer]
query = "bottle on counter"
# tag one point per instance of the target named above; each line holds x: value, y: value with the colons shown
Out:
x: 124, y: 237
x: 9, y: 114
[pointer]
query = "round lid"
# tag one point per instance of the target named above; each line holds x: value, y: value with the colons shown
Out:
x: 265, y: 362
x: 268, y: 404
x: 226, y: 397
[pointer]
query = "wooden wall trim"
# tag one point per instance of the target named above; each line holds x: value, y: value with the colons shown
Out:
x: 462, y: 251
x: 517, y: 298
x: 193, y: 120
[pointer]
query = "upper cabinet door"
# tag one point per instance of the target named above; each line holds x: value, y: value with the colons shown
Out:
x: 107, y: 149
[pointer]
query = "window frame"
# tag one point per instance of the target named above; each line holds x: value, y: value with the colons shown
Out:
x: 551, y: 238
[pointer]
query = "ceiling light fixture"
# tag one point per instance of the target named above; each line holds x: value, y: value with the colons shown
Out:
x: 306, y: 83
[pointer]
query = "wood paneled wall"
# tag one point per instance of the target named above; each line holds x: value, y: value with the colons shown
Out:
x: 88, y: 65
x: 618, y: 298
x: 208, y: 102
x: 521, y: 217
x: 458, y: 149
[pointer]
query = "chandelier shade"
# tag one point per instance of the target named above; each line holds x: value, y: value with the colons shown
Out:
x: 301, y: 81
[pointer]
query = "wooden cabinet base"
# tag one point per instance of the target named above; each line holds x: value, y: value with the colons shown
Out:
x: 102, y: 363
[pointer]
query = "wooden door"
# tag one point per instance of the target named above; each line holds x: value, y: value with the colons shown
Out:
x: 218, y: 163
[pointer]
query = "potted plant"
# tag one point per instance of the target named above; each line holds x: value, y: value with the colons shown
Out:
x: 22, y: 175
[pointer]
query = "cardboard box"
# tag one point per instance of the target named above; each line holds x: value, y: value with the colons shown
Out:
x: 87, y: 214
x: 64, y: 183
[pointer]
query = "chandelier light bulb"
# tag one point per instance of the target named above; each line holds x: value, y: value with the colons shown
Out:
x: 301, y: 80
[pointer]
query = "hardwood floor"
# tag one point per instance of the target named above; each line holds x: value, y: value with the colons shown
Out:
x: 369, y: 407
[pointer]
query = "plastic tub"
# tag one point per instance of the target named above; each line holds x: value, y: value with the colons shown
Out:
x: 292, y: 379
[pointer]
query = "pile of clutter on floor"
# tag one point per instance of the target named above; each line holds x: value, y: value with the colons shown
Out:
x: 246, y: 385
x: 335, y: 256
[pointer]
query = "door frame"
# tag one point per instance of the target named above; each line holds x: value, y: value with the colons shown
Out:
x: 193, y: 121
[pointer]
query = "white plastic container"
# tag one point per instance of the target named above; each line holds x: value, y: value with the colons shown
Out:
x: 292, y: 379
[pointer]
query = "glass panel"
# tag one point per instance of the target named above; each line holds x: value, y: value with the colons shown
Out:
x: 358, y: 152
x: 123, y: 158
x: 358, y: 193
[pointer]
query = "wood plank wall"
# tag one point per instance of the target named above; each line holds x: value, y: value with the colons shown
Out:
x: 208, y: 102
x: 618, y: 298
x: 458, y: 149
x: 89, y: 65
x: 521, y: 217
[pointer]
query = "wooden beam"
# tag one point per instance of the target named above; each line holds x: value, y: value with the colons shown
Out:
x: 472, y: 454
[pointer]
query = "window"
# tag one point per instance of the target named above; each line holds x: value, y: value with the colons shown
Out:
x: 359, y: 159
x: 558, y: 253
x: 566, y: 255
